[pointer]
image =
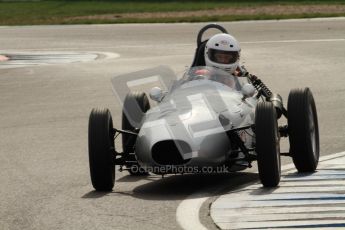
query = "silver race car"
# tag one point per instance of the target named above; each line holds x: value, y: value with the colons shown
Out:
x: 208, y: 121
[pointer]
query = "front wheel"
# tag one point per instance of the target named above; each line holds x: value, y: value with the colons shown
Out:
x: 267, y: 144
x: 134, y: 108
x: 303, y: 130
x: 101, y: 150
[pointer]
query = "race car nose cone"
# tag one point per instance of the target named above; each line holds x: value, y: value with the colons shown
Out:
x: 3, y: 58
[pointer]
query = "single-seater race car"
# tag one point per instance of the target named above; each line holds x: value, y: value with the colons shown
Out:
x: 208, y: 120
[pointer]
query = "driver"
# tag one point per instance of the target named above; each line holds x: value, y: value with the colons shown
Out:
x: 223, y: 51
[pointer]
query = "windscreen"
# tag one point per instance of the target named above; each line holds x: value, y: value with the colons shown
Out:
x: 211, y: 74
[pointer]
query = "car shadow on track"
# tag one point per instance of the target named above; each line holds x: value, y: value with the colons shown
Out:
x: 177, y: 187
x: 132, y: 178
x: 95, y: 194
x: 263, y: 191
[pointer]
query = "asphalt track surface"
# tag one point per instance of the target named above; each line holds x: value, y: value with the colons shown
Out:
x: 44, y: 176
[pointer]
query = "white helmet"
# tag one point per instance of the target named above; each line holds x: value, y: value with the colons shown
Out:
x: 223, y: 51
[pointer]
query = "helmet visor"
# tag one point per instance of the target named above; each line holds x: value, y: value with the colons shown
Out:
x: 223, y: 57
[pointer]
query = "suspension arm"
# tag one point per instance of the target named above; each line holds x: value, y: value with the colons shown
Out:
x: 125, y: 132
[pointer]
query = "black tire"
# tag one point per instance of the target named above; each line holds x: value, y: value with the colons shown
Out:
x: 134, y: 107
x: 303, y: 130
x: 101, y: 150
x: 267, y: 144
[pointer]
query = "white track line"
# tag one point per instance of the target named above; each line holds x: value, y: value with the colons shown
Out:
x: 296, y: 41
x: 176, y: 45
x: 187, y: 213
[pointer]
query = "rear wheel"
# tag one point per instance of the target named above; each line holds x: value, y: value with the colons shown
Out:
x: 101, y: 150
x: 134, y: 107
x: 267, y: 144
x: 303, y: 130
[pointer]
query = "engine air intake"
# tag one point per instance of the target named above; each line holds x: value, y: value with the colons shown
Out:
x: 169, y: 152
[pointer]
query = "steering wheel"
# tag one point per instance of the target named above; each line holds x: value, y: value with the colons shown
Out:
x: 209, y: 26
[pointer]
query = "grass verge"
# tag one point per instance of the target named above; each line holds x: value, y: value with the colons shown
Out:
x: 151, y: 11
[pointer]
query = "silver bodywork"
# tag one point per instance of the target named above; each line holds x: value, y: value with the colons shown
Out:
x: 188, y: 127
